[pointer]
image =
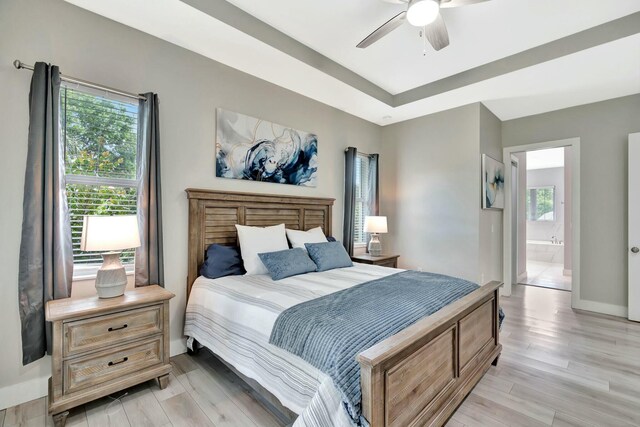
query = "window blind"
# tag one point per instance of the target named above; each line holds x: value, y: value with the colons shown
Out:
x: 100, y: 143
x: 362, y: 198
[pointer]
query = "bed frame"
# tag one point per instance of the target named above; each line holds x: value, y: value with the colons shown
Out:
x: 418, y: 376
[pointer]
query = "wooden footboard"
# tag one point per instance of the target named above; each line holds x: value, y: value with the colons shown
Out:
x: 420, y: 375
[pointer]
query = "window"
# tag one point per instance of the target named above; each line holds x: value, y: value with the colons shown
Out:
x: 540, y: 204
x: 362, y: 199
x: 100, y: 141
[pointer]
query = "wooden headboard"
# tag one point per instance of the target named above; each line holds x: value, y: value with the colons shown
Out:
x: 214, y: 214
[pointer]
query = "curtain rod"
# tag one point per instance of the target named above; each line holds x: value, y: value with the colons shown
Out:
x: 21, y: 65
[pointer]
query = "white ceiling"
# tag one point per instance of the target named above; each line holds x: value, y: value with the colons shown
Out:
x: 479, y: 34
x: 545, y: 159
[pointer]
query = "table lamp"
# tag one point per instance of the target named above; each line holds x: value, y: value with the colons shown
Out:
x: 375, y: 225
x: 110, y: 234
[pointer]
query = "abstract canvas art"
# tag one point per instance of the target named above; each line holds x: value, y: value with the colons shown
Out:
x: 492, y: 183
x: 257, y: 150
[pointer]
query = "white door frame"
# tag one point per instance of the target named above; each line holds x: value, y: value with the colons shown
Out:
x: 516, y: 251
x: 634, y: 271
x: 574, y: 143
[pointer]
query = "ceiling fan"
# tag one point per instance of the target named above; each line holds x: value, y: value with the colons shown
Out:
x: 419, y: 13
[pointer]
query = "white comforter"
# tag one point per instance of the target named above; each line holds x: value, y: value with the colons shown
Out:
x: 233, y: 317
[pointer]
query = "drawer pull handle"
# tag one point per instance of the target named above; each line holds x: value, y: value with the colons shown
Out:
x: 117, y: 329
x: 118, y: 362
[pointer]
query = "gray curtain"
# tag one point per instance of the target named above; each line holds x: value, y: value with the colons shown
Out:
x: 374, y: 190
x: 349, y: 197
x: 149, y: 262
x: 46, y: 252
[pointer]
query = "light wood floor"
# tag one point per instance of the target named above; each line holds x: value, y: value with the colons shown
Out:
x: 558, y: 367
x: 547, y: 275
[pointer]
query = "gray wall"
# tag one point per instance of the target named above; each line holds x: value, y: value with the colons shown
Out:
x: 190, y: 88
x: 434, y: 167
x: 490, y: 239
x: 432, y: 193
x: 603, y: 129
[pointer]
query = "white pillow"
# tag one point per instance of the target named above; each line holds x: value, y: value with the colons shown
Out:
x: 298, y: 238
x: 258, y: 240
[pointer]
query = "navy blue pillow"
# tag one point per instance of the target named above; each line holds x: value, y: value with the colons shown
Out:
x: 221, y: 261
x: 331, y: 239
x: 289, y: 262
x: 328, y: 256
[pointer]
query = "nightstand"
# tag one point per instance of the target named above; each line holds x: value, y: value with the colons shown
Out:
x: 382, y: 260
x: 102, y: 346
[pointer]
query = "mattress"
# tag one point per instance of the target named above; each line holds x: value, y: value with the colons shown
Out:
x: 233, y: 317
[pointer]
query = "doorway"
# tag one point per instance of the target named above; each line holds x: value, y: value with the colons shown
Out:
x: 541, y: 230
x: 544, y: 213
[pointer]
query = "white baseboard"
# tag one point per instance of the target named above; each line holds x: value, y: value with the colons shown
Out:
x: 602, y: 308
x: 26, y: 391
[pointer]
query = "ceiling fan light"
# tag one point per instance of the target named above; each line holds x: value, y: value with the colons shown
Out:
x: 422, y: 12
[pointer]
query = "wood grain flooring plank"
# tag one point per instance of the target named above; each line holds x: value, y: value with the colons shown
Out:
x: 501, y: 413
x: 213, y: 401
x: 240, y: 393
x: 182, y: 364
x: 183, y: 411
x: 31, y: 413
x: 106, y: 412
x: 522, y: 406
x: 563, y: 420
x: 143, y: 409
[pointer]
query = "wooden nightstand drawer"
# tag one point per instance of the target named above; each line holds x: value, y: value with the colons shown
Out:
x: 96, y: 332
x: 98, y: 368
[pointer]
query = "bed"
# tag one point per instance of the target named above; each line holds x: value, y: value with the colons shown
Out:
x: 416, y: 377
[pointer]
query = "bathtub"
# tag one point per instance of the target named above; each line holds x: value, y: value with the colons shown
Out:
x: 545, y: 251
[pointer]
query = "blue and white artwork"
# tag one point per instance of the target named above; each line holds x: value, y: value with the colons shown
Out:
x: 257, y: 150
x: 492, y: 183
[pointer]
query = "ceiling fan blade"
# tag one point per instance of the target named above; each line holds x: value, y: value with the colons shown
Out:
x: 458, y: 3
x: 437, y: 33
x: 383, y: 30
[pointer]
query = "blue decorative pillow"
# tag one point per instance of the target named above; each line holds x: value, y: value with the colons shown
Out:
x: 328, y: 256
x: 331, y: 239
x: 289, y: 262
x: 220, y: 261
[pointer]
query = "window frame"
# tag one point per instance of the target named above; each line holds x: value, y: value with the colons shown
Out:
x: 363, y: 199
x: 553, y: 201
x: 88, y: 271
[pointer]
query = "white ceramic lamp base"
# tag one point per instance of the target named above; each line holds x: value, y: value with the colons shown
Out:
x: 111, y: 279
x: 375, y: 247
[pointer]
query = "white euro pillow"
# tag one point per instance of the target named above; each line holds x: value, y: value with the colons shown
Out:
x: 298, y: 238
x: 258, y: 240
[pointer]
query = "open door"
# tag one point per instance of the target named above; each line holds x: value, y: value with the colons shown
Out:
x: 634, y: 227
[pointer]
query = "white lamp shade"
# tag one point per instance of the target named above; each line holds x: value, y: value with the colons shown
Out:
x: 109, y: 233
x: 375, y: 224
